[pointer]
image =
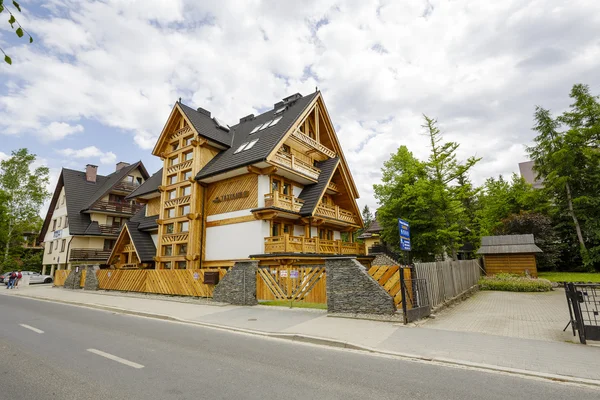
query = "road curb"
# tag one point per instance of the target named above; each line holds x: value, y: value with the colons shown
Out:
x: 296, y: 337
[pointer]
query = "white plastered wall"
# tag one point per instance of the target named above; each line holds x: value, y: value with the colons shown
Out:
x: 236, y: 241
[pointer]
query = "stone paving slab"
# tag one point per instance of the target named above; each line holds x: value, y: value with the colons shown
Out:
x: 540, y: 316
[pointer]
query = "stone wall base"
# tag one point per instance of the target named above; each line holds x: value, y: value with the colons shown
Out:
x: 238, y: 286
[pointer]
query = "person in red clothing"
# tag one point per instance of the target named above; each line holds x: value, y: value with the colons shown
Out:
x: 18, y: 279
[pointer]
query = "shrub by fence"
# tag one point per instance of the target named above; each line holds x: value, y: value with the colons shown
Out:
x: 448, y: 279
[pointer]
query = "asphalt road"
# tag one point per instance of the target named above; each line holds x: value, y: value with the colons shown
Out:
x: 55, y: 351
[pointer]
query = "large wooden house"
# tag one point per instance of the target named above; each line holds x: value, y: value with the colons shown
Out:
x: 274, y: 187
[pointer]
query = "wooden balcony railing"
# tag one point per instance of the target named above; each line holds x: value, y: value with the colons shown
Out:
x: 283, y: 201
x: 127, y: 187
x: 124, y: 208
x: 307, y: 140
x: 110, y: 229
x: 89, y: 254
x: 300, y: 244
x: 181, y: 166
x: 291, y: 162
x: 333, y: 186
x: 335, y: 212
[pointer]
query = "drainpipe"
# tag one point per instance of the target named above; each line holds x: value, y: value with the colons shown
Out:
x: 67, y: 255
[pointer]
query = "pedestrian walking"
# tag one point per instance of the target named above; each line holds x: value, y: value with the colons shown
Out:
x: 11, y: 280
x: 18, y: 279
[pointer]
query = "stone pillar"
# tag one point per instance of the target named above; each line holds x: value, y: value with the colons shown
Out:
x: 91, y: 280
x: 73, y: 279
x: 44, y: 269
x: 350, y: 289
x: 238, y: 286
x: 52, y: 270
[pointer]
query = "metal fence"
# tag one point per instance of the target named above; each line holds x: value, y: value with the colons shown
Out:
x: 448, y: 279
x: 584, y: 308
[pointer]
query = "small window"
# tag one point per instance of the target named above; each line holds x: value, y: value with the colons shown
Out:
x: 274, y: 122
x: 181, y: 265
x: 167, y: 265
x: 187, y: 174
x: 241, y: 148
x: 188, y: 141
x: 286, y: 149
x: 172, y: 179
x: 50, y: 248
x: 59, y: 222
x: 62, y: 200
x: 129, y: 179
x: 184, y: 226
x: 66, y: 221
x: 54, y: 225
x: 171, y: 194
x: 182, y: 249
x: 185, y: 210
x: 139, y: 180
x: 275, y: 229
x: 256, y: 129
x: 174, y: 161
x: 186, y: 190
x: 280, y: 110
x: 188, y: 156
x: 170, y: 213
x: 62, y: 245
x: 174, y: 146
x: 56, y: 245
x: 275, y: 185
x: 167, y: 250
x: 251, y: 144
x: 169, y: 228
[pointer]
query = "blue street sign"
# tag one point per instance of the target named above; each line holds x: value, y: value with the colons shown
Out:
x: 404, y: 230
x: 404, y: 244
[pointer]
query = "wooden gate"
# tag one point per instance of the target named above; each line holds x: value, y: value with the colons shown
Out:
x: 60, y: 276
x: 289, y: 283
x: 389, y: 278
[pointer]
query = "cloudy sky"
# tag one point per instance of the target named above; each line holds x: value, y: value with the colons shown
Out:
x: 100, y: 79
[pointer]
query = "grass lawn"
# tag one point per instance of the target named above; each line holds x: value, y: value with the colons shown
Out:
x: 570, y: 276
x: 295, y: 304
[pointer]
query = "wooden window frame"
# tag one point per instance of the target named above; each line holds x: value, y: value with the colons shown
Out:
x: 178, y: 264
x: 164, y: 248
x: 179, y: 253
x: 180, y: 225
x: 167, y: 212
x: 167, y: 228
x: 182, y: 213
x: 183, y: 175
x: 172, y: 179
x: 183, y: 189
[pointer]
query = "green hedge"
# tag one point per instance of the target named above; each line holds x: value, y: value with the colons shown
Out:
x: 514, y: 283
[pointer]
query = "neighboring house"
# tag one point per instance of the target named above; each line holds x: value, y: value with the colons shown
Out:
x: 372, y: 235
x: 31, y: 240
x: 274, y: 188
x: 529, y: 174
x: 512, y: 254
x: 86, y: 214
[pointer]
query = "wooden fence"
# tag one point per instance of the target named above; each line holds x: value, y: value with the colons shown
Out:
x: 389, y: 278
x: 182, y: 282
x: 307, y: 284
x: 448, y: 279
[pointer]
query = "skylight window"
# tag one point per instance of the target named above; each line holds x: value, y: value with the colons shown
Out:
x: 251, y: 144
x: 280, y: 110
x: 256, y: 129
x: 275, y: 121
x: 241, y: 148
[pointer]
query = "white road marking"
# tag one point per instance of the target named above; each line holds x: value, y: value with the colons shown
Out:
x: 32, y: 328
x: 117, y: 359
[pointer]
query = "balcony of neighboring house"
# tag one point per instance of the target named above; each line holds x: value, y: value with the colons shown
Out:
x: 100, y: 255
x: 126, y: 186
x: 116, y: 207
x: 112, y: 230
x: 300, y: 244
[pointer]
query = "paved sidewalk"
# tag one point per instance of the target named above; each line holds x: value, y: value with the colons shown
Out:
x: 532, y: 357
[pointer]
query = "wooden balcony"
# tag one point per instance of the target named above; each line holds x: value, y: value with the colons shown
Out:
x: 295, y: 164
x: 126, y: 187
x: 307, y: 140
x: 121, y: 208
x: 300, y: 244
x: 333, y: 186
x: 113, y: 230
x: 283, y: 201
x: 89, y: 255
x: 335, y: 212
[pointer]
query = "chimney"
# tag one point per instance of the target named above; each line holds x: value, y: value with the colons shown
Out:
x: 90, y: 173
x: 121, y: 165
x: 203, y: 111
x: 249, y: 117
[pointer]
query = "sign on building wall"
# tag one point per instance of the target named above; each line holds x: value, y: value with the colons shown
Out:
x: 404, y: 230
x: 58, y: 234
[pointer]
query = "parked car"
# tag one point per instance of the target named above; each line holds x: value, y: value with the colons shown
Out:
x: 34, y: 277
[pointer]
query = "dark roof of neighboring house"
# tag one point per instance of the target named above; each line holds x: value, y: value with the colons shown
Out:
x: 508, y: 244
x: 206, y: 126
x: 145, y: 223
x: 112, y: 180
x: 311, y: 194
x: 150, y: 185
x: 374, y: 227
x: 144, y: 245
x: 267, y: 138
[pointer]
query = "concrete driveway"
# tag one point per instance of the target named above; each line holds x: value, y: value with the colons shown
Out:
x: 540, y: 316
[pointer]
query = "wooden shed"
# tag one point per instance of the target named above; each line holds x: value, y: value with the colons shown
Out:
x: 512, y: 254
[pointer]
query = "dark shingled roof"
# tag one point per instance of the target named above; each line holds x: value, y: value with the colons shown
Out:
x: 267, y: 139
x: 311, y: 194
x: 111, y: 180
x: 150, y: 185
x: 145, y: 223
x: 144, y: 245
x: 206, y: 126
x: 508, y: 244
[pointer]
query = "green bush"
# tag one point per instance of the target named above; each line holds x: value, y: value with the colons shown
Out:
x: 514, y: 283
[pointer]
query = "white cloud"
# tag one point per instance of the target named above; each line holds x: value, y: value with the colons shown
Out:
x: 59, y: 130
x: 479, y: 67
x: 3, y: 156
x: 88, y: 153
